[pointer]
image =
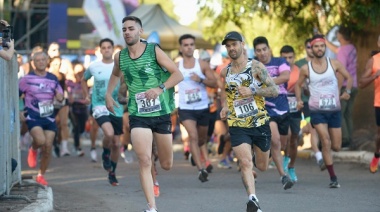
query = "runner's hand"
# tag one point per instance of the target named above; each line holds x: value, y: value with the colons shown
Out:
x: 345, y: 96
x: 224, y: 113
x: 153, y: 93
x: 299, y: 105
x: 244, y: 91
x: 110, y: 102
x: 87, y: 100
x: 22, y: 116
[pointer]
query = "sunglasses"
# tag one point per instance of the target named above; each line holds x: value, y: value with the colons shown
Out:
x: 309, y: 47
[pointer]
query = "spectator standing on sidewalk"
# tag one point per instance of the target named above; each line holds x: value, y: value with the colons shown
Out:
x: 371, y: 74
x: 7, y: 52
x: 346, y: 54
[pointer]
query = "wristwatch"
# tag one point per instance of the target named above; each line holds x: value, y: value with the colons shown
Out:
x: 348, y: 91
x: 162, y: 86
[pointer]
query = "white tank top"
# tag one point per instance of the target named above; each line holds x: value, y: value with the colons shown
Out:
x: 192, y: 95
x: 324, y: 91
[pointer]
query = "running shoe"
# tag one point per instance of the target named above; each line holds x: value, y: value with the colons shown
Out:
x: 192, y: 162
x: 285, y: 163
x: 112, y: 179
x: 65, y: 152
x: 209, y: 168
x: 322, y: 165
x: 56, y: 150
x: 253, y: 206
x: 80, y: 152
x: 334, y: 184
x: 223, y: 164
x: 106, y: 162
x: 186, y: 154
x: 203, y: 175
x: 93, y: 155
x: 32, y: 158
x: 156, y: 190
x: 374, y: 165
x: 41, y: 180
x: 151, y: 210
x: 286, y: 182
x: 292, y: 174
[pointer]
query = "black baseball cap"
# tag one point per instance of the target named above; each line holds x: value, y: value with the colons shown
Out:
x: 232, y: 36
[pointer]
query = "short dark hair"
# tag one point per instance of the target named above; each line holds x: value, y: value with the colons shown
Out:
x: 286, y: 49
x: 132, y: 18
x: 185, y: 36
x: 260, y: 40
x: 105, y: 40
x: 307, y: 41
x: 345, y: 32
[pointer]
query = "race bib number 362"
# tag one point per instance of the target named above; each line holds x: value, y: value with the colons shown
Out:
x: 245, y: 107
x: 147, y: 106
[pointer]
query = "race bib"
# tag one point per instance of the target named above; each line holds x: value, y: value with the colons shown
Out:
x: 327, y: 102
x: 147, y: 106
x: 100, y: 111
x: 59, y: 105
x: 292, y: 101
x: 245, y: 107
x: 46, y: 108
x: 192, y: 96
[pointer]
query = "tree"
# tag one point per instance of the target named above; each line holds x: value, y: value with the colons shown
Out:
x: 287, y: 21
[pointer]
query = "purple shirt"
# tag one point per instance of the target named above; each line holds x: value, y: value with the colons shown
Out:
x: 347, y: 56
x: 39, y: 94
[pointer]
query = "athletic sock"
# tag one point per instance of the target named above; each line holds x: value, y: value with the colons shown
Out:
x: 330, y: 169
x: 113, y: 164
x: 318, y: 156
x: 253, y: 196
x: 377, y: 154
x: 106, y: 151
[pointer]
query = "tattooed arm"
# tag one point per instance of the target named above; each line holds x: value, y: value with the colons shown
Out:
x: 259, y: 71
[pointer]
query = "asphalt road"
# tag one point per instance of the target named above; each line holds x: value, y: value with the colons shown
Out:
x: 80, y: 185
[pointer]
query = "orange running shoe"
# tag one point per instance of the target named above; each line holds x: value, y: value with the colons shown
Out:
x: 41, y: 180
x: 374, y: 165
x: 32, y: 158
x: 156, y: 190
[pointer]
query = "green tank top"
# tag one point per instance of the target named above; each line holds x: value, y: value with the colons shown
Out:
x: 142, y: 74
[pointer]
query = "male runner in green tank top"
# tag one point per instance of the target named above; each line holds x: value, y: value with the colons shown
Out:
x: 150, y: 76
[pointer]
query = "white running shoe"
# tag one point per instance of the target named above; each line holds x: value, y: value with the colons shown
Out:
x: 80, y: 152
x: 93, y: 155
x: 128, y: 158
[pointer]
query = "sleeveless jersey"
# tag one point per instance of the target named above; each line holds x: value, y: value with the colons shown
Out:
x: 324, y: 91
x: 142, y: 74
x: 192, y: 95
x: 246, y: 112
x: 375, y: 68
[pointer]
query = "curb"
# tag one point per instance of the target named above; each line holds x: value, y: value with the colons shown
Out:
x: 43, y: 203
x: 361, y: 157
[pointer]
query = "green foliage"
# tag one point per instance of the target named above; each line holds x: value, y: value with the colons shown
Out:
x: 288, y: 22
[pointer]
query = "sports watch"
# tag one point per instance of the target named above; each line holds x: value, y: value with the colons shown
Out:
x: 162, y: 86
